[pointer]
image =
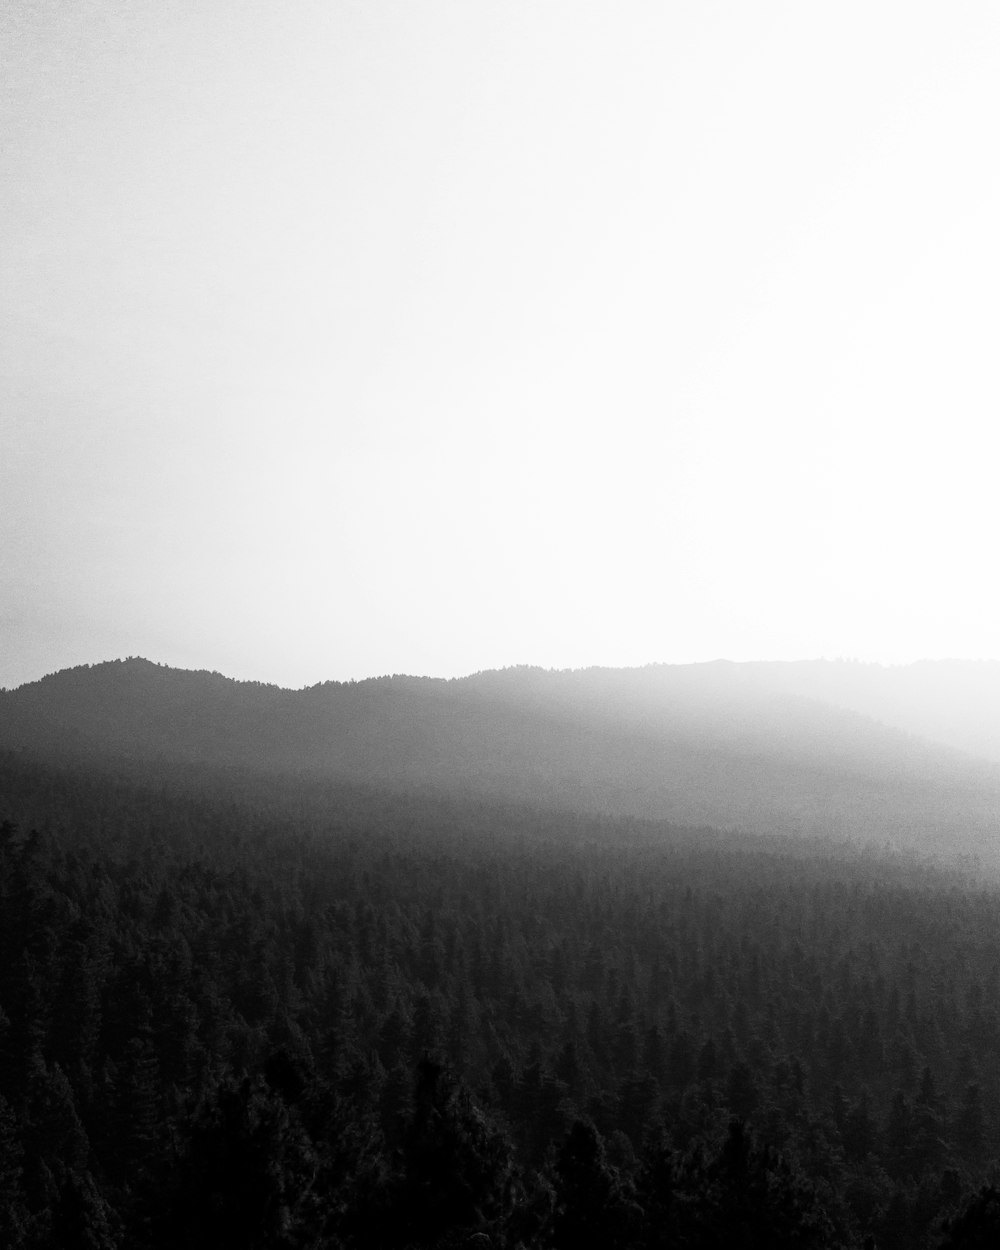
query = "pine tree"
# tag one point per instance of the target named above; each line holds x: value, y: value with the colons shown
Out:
x: 83, y: 1218
x: 978, y: 1227
x: 246, y: 1178
x: 969, y: 1127
x: 594, y: 1208
x: 456, y: 1175
x: 13, y: 1214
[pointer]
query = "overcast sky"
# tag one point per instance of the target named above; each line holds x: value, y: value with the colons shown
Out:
x: 350, y: 338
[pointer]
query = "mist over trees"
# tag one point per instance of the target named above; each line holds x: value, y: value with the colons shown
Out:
x: 244, y: 1006
x: 719, y: 744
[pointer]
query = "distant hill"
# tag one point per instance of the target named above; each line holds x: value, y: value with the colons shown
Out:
x: 761, y: 747
x: 953, y: 702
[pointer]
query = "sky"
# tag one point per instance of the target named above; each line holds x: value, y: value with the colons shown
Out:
x: 348, y: 338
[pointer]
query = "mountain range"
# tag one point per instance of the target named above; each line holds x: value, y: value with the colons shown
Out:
x: 819, y: 748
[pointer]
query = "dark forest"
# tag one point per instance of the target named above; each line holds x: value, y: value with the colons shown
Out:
x: 319, y: 1015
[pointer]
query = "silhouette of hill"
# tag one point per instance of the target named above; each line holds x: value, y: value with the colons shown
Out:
x: 730, y: 745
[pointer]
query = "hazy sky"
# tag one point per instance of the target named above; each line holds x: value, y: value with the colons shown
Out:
x: 348, y: 338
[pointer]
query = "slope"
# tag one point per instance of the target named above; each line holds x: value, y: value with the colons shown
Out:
x: 708, y: 744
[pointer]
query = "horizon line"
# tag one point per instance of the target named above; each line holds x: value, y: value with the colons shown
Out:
x: 506, y: 668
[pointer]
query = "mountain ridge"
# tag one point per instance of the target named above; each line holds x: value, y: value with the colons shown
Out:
x: 719, y: 744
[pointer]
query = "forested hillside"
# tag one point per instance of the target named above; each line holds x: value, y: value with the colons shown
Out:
x: 712, y: 744
x: 313, y: 1015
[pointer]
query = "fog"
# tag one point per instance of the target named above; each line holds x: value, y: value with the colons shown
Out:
x: 363, y: 338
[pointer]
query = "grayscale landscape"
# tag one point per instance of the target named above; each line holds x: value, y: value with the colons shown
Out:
x: 499, y: 664
x: 758, y: 747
